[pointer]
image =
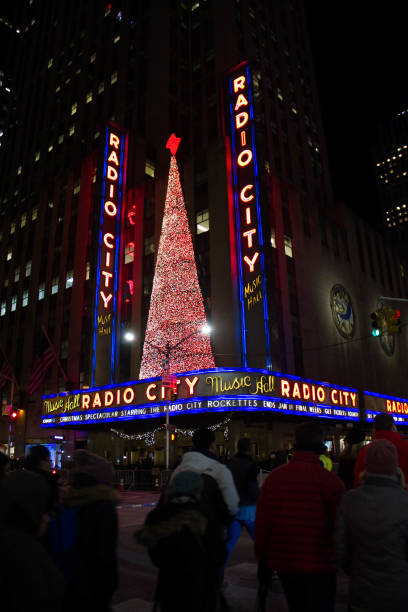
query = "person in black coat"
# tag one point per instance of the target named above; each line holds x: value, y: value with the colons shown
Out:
x: 245, y: 473
x: 29, y: 579
x: 185, y: 543
x: 90, y: 566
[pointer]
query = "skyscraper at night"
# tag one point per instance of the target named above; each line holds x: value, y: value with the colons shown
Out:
x: 107, y: 83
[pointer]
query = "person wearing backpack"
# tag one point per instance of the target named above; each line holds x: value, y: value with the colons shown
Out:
x: 184, y: 542
x: 89, y: 528
x: 219, y: 490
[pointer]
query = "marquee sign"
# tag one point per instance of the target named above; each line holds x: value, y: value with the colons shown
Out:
x: 215, y: 390
x: 375, y: 403
x: 107, y: 272
x: 248, y: 226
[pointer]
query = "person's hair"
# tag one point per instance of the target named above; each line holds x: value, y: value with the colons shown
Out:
x: 244, y: 444
x: 309, y: 437
x: 203, y: 438
x: 383, y: 421
x: 36, y: 454
x: 351, y: 451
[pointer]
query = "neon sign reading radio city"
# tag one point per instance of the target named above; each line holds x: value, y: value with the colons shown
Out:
x: 248, y: 222
x: 108, y: 269
x: 110, y: 208
x: 244, y: 158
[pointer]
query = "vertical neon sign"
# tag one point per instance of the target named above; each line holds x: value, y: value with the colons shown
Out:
x: 107, y: 271
x: 248, y: 224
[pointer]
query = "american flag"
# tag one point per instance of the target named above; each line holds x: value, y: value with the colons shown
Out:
x: 6, y: 373
x: 42, y: 362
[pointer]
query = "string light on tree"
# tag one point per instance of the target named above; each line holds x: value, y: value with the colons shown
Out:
x: 176, y: 315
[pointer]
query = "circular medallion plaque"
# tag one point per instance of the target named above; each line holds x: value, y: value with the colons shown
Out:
x: 342, y: 311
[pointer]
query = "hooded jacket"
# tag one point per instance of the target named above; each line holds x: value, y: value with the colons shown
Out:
x: 372, y: 544
x: 197, y: 461
x: 402, y: 450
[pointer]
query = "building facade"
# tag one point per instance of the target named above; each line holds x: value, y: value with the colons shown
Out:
x: 141, y: 71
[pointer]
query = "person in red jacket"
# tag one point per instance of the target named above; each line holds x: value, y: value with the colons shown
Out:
x: 294, y: 525
x: 384, y: 429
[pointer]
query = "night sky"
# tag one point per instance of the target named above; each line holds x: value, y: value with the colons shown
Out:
x: 360, y: 52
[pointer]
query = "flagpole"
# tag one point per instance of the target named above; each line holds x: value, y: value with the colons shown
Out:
x: 10, y: 423
x: 44, y: 331
x: 13, y: 378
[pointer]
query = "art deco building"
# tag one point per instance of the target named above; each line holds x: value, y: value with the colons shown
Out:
x: 150, y: 69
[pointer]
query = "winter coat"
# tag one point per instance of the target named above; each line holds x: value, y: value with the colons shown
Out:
x: 295, y: 516
x: 94, y: 575
x: 245, y: 474
x: 186, y: 546
x: 196, y: 461
x: 402, y: 449
x: 372, y: 544
x: 29, y: 579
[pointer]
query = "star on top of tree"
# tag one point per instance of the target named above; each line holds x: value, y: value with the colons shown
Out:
x: 173, y: 144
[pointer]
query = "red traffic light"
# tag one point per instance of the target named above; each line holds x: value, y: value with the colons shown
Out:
x: 13, y: 414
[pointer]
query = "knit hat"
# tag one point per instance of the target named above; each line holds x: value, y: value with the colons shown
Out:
x: 381, y: 457
x: 92, y: 465
x: 185, y: 483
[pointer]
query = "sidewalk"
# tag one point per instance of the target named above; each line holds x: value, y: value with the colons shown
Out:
x: 138, y: 575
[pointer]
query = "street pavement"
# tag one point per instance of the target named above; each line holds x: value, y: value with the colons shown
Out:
x: 138, y: 574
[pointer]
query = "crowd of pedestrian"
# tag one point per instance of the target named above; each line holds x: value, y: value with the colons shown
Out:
x: 306, y: 522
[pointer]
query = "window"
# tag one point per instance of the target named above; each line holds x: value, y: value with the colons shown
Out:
x: 54, y: 285
x: 16, y: 275
x: 148, y: 245
x: 34, y: 213
x: 25, y: 298
x: 9, y: 255
x: 13, y: 227
x: 71, y: 130
x: 77, y: 187
x: 288, y: 246
x: 74, y: 108
x: 60, y: 138
x: 101, y: 87
x: 273, y: 237
x: 89, y: 97
x: 114, y: 77
x: 28, y: 268
x: 23, y: 220
x: 116, y: 39
x: 88, y: 270
x: 37, y: 156
x: 50, y: 62
x: 50, y: 148
x: 3, y: 309
x: 19, y: 169
x: 129, y: 252
x: 93, y: 58
x: 202, y: 222
x: 149, y: 168
x: 13, y: 303
x: 41, y: 291
x: 69, y: 281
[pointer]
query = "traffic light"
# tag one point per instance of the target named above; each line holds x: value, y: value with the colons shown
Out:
x: 393, y: 321
x: 376, y: 321
x: 13, y: 415
x: 173, y: 437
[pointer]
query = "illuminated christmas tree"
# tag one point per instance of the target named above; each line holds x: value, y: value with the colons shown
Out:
x: 176, y: 316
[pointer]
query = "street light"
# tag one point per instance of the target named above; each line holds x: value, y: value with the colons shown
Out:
x: 129, y: 336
